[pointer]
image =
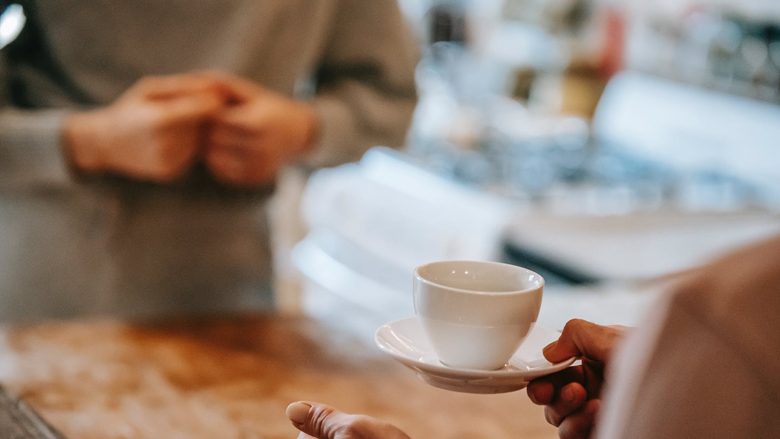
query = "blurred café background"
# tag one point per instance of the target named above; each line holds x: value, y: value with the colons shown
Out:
x: 608, y: 145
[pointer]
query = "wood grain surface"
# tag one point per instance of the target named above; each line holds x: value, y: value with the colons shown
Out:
x: 232, y: 377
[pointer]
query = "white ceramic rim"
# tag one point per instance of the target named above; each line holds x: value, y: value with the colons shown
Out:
x: 442, y: 370
x: 479, y: 292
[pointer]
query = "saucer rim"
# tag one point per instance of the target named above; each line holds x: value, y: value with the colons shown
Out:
x: 420, y: 366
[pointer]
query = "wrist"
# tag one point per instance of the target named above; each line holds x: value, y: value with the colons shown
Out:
x: 311, y: 132
x: 80, y: 145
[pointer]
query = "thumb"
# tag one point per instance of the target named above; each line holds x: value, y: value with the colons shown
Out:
x: 235, y: 87
x: 581, y: 338
x: 192, y: 107
x: 317, y: 420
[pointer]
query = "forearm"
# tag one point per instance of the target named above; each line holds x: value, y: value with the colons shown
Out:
x: 365, y: 86
x: 354, y: 117
x: 683, y: 373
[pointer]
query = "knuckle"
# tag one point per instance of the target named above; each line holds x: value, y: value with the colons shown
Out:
x: 571, y: 395
x: 318, y: 420
x: 573, y: 326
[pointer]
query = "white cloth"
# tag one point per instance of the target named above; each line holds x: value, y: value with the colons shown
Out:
x: 705, y: 363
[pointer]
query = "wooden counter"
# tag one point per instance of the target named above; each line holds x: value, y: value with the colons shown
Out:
x: 232, y: 377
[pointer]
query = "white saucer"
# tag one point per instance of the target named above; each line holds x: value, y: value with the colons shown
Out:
x: 406, y: 341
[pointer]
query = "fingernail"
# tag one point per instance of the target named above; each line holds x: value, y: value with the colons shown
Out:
x: 298, y: 412
x: 549, y: 348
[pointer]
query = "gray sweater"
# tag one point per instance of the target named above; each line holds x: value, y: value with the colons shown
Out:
x: 74, y: 247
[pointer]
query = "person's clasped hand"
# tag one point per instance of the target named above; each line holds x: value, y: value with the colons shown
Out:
x: 319, y: 421
x: 152, y: 132
x: 572, y: 397
x: 258, y: 133
x: 161, y: 126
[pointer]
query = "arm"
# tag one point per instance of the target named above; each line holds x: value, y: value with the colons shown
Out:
x: 701, y: 365
x: 30, y: 147
x: 365, y: 86
x: 152, y: 132
x: 365, y: 97
x: 705, y: 364
x: 695, y: 382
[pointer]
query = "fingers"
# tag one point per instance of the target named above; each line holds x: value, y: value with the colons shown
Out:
x: 236, y: 88
x: 237, y: 158
x: 583, y: 338
x: 238, y: 124
x: 237, y: 169
x: 571, y: 399
x: 320, y: 421
x: 545, y: 390
x: 196, y: 107
x: 566, y: 396
x: 252, y: 119
x: 171, y: 86
x: 562, y: 394
x: 541, y: 392
x: 225, y: 166
x: 580, y: 425
x: 317, y: 420
x: 219, y: 137
x: 242, y: 145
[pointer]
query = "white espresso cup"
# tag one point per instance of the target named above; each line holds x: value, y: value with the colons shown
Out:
x: 476, y: 314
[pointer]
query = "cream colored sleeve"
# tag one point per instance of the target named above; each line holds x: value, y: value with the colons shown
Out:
x: 681, y: 376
